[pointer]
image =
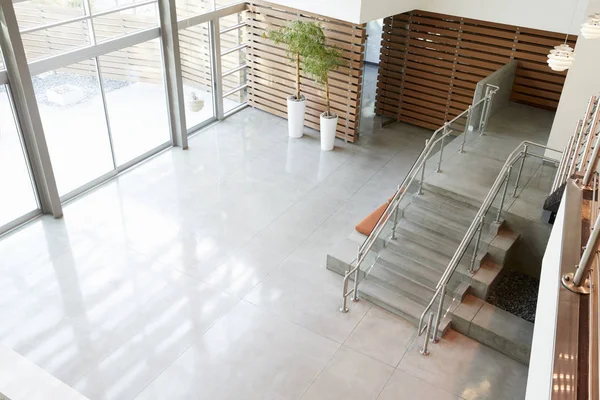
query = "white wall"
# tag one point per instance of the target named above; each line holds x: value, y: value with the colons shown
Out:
x: 345, y: 10
x: 549, y: 15
x: 583, y: 80
x: 552, y: 15
x: 376, y: 9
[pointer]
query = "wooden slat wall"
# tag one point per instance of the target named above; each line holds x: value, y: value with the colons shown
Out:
x: 430, y: 64
x: 271, y: 76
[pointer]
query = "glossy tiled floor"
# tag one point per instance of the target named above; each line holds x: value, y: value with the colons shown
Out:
x: 200, y: 275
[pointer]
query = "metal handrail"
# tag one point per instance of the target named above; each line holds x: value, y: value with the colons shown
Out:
x: 501, y: 180
x: 394, y: 203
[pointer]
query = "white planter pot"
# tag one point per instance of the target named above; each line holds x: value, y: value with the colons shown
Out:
x: 195, y: 105
x: 328, y: 127
x: 296, y: 110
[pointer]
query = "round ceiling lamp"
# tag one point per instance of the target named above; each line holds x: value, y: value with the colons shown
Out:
x: 590, y: 29
x: 561, y: 57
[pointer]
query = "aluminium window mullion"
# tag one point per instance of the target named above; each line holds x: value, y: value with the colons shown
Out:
x: 216, y: 67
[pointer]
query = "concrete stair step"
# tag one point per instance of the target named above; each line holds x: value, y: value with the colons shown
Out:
x: 494, y: 327
x: 452, y: 195
x: 395, y: 303
x: 435, y: 222
x: 395, y: 279
x: 400, y: 283
x: 413, y: 249
x: 463, y: 213
x: 433, y: 240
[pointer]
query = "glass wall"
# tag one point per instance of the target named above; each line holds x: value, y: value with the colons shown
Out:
x: 72, y: 111
x: 18, y: 195
x: 197, y: 75
x: 233, y: 61
x: 103, y: 103
x: 135, y: 99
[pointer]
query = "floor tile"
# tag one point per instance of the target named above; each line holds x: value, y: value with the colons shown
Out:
x: 467, y: 369
x: 179, y: 318
x: 310, y: 296
x: 382, y: 336
x: 249, y: 354
x: 403, y: 386
x: 350, y: 375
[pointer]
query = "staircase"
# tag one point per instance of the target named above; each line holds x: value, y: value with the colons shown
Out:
x: 401, y: 274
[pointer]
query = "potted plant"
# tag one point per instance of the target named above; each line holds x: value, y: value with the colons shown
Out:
x: 194, y: 103
x: 300, y: 39
x: 318, y: 65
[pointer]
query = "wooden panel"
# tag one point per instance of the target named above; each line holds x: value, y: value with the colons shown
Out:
x: 271, y: 75
x: 430, y: 64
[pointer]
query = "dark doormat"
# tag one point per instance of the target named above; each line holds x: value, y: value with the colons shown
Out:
x: 516, y: 293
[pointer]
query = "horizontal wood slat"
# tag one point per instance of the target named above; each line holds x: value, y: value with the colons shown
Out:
x: 271, y: 75
x: 430, y: 64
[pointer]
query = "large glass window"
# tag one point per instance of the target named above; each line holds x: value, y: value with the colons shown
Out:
x: 52, y: 27
x: 188, y: 8
x: 233, y: 60
x: 34, y: 13
x: 74, y: 123
x: 55, y: 40
x: 135, y: 99
x: 124, y: 22
x: 18, y: 196
x: 196, y: 71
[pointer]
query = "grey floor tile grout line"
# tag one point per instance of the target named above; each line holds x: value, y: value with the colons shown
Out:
x: 320, y: 371
x: 385, y: 384
x: 185, y: 350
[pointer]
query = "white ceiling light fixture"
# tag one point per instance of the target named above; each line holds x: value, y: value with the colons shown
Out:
x: 590, y: 29
x: 561, y: 57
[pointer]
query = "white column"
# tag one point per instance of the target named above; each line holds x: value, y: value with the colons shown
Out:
x: 19, y: 78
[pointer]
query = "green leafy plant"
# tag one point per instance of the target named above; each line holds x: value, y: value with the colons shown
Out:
x: 318, y: 64
x: 301, y: 39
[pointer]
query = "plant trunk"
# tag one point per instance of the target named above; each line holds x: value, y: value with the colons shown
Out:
x: 327, y: 96
x: 298, y: 76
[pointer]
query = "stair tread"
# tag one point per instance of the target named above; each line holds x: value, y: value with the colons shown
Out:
x: 428, y: 257
x: 395, y: 280
x: 427, y: 276
x: 432, y: 239
x: 396, y: 303
x: 407, y: 287
x: 446, y: 206
x: 391, y: 298
x: 434, y: 221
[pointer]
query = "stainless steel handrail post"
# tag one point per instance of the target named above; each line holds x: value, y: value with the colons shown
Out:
x: 425, y: 351
x: 467, y: 124
x: 477, y: 242
x: 484, y: 109
x: 488, y: 109
x: 439, y: 164
x: 590, y: 250
x: 344, y: 307
x: 514, y: 194
x: 393, y: 235
x: 503, y: 193
x: 420, y: 192
x: 355, y: 291
x: 438, y: 315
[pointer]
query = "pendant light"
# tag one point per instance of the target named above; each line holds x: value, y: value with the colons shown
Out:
x: 590, y: 29
x: 561, y: 57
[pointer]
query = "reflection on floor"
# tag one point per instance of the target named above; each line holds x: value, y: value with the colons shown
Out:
x: 200, y: 274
